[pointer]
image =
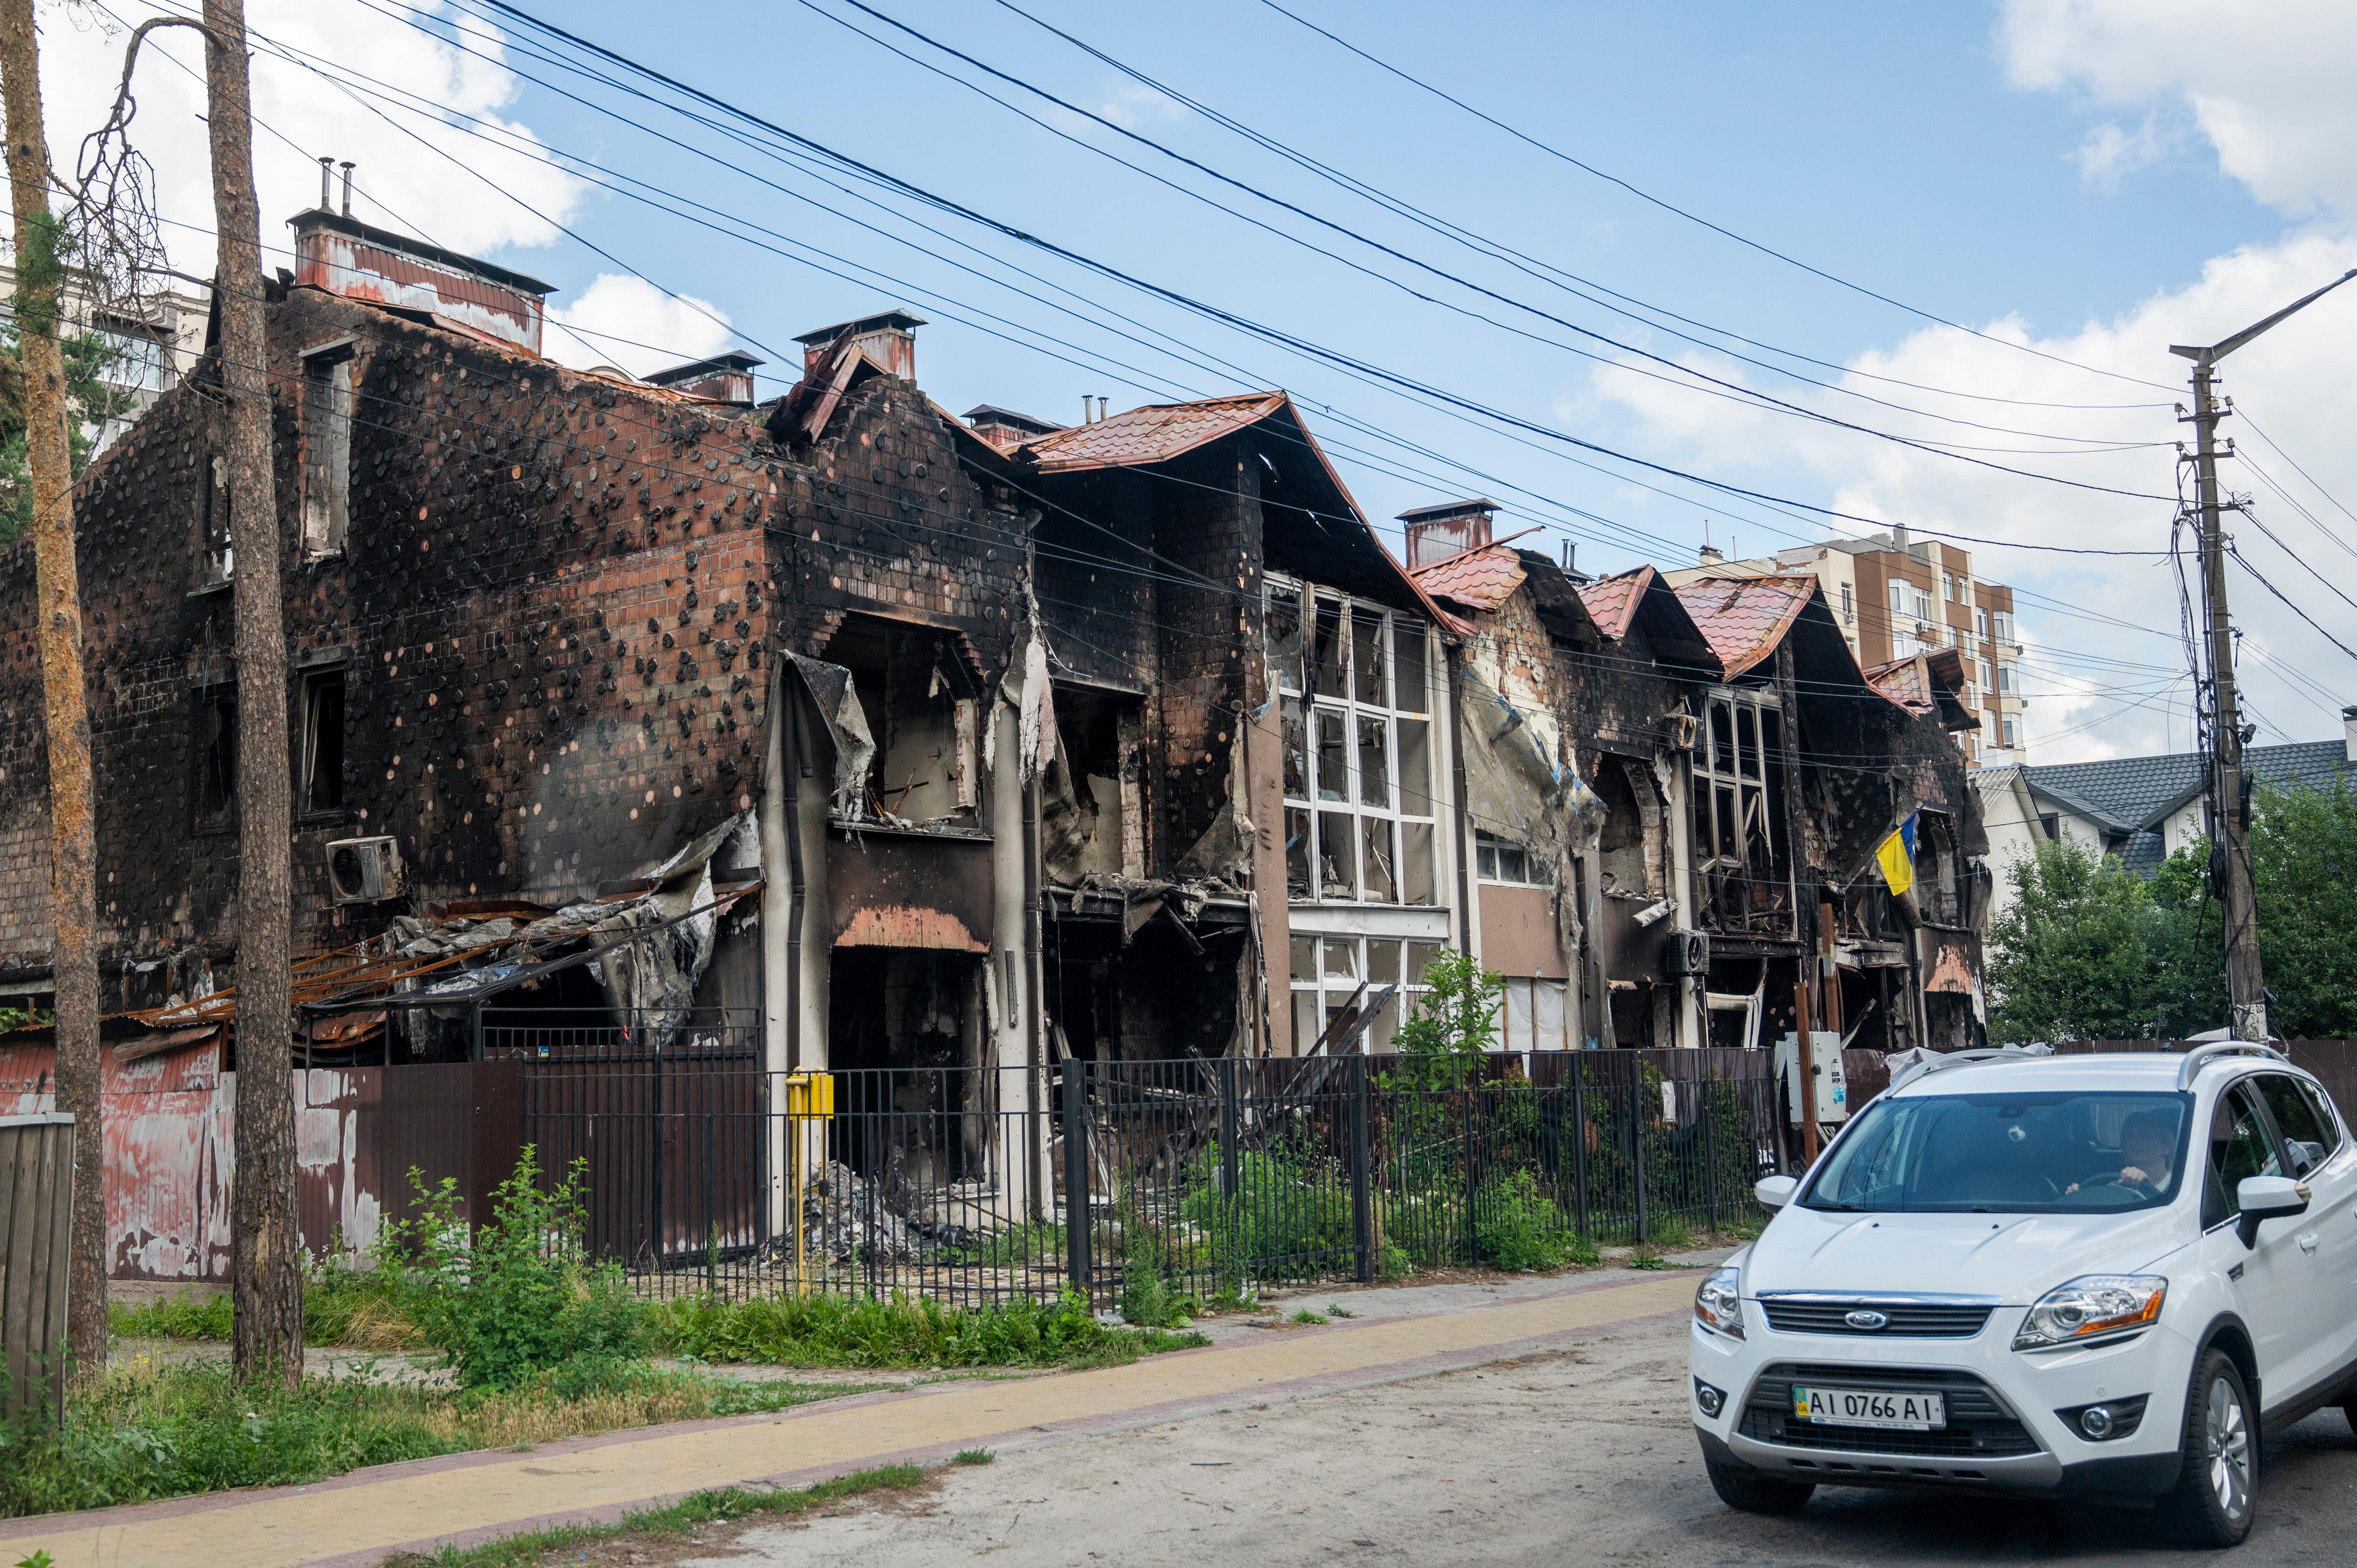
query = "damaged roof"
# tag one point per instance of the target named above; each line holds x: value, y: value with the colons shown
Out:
x: 1929, y: 685
x: 1744, y: 620
x: 1155, y: 434
x: 1480, y: 579
x: 1613, y: 600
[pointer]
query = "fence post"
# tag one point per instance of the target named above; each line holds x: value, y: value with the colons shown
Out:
x: 1709, y: 1151
x: 1472, y: 1173
x: 1230, y: 1177
x: 1636, y: 1113
x: 1579, y: 1139
x: 1076, y: 1174
x: 1362, y: 1212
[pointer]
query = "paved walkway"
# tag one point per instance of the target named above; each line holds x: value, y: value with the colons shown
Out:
x: 354, y: 1520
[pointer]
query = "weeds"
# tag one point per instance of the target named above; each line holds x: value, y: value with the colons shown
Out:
x: 854, y: 1331
x: 143, y: 1434
x: 972, y: 1457
x: 358, y: 1308
x: 692, y: 1512
x: 1332, y: 1311
x: 520, y: 1294
x: 1307, y: 1316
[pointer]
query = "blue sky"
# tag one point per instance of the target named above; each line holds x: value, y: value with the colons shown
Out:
x: 2093, y: 177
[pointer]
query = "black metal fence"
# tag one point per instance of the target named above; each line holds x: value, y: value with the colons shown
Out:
x: 1208, y: 1177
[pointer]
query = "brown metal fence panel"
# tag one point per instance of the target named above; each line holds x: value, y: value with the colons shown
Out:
x: 36, y: 1164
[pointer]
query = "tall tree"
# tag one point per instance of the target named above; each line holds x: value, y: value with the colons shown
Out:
x: 74, y: 880
x: 266, y: 1276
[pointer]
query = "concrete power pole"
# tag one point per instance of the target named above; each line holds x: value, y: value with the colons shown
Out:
x: 2230, y: 823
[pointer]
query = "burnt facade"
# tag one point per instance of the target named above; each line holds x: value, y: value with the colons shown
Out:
x: 910, y: 741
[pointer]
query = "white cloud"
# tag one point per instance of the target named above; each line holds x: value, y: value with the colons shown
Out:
x: 1135, y: 107
x: 401, y: 182
x: 2293, y: 383
x: 627, y: 321
x: 2109, y: 155
x: 2267, y: 85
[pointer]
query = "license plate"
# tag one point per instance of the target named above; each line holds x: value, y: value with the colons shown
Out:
x: 1907, y: 1411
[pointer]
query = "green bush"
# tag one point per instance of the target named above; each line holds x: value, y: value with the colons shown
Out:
x: 856, y: 1331
x: 1288, y: 1212
x: 520, y: 1294
x: 1516, y: 1225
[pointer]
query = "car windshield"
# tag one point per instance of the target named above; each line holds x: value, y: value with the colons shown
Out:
x: 2008, y: 1153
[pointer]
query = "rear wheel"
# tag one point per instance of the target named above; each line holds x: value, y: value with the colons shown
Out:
x: 2217, y: 1480
x: 1748, y: 1491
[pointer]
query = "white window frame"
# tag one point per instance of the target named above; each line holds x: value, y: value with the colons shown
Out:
x: 1711, y: 777
x: 1327, y: 988
x: 1309, y: 813
x: 1492, y: 864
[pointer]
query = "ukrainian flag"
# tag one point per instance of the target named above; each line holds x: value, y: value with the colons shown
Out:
x: 1896, y: 856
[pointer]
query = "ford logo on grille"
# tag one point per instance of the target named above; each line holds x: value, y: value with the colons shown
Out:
x: 1865, y: 1320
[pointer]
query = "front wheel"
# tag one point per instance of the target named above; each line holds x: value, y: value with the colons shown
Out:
x: 1748, y: 1491
x: 2218, y: 1471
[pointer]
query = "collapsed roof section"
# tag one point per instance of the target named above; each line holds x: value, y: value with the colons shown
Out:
x: 1927, y: 684
x: 1641, y: 602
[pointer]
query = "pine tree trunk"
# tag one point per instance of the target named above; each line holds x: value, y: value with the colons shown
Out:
x: 266, y: 1275
x: 73, y: 891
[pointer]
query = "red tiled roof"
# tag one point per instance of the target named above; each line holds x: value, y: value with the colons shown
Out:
x: 1478, y: 579
x: 1613, y: 601
x: 1744, y: 620
x: 1906, y: 682
x: 1153, y: 435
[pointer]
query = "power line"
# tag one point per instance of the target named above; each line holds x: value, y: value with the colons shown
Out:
x: 1733, y: 390
x: 1692, y: 217
x: 1532, y: 266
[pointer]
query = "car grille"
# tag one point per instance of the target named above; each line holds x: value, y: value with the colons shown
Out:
x: 1909, y: 1319
x: 1979, y: 1425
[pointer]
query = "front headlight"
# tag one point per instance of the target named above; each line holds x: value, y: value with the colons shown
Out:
x: 2093, y: 1308
x: 1718, y: 1302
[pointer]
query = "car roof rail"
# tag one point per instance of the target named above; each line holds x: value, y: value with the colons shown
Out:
x: 2202, y: 1055
x: 1961, y: 1059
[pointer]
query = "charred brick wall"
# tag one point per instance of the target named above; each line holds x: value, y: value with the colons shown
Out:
x: 553, y: 614
x: 1208, y: 626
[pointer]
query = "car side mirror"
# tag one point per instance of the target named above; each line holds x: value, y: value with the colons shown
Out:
x: 1775, y: 1191
x: 2267, y: 1198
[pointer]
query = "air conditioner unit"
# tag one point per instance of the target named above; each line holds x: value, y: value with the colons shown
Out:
x: 365, y: 871
x: 1685, y: 952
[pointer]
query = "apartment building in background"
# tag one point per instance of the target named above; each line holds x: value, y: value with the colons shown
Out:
x: 1894, y: 597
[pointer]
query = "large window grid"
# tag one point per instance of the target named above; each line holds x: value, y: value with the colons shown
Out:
x: 1741, y: 853
x: 1328, y: 972
x: 1354, y: 686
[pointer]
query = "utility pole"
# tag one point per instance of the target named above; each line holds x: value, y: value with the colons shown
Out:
x: 2230, y: 823
x: 73, y: 860
x: 266, y: 1257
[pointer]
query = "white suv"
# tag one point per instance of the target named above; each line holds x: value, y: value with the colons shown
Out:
x: 2073, y: 1275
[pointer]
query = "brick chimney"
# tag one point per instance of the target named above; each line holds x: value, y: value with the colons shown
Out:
x: 338, y: 253
x: 889, y: 339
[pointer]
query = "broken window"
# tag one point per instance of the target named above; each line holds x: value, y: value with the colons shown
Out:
x: 1357, y: 769
x: 1531, y: 1017
x: 326, y: 449
x: 1283, y: 633
x: 220, y: 560
x: 1092, y: 808
x: 1502, y: 860
x: 323, y: 742
x: 920, y: 705
x: 1739, y: 814
x: 214, y: 789
x: 1329, y: 975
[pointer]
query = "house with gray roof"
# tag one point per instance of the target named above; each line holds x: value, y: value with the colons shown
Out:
x: 2141, y: 809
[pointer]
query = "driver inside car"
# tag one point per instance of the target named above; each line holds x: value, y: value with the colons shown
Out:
x: 2147, y: 1140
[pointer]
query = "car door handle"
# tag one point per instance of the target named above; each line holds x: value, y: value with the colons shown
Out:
x: 2306, y: 1239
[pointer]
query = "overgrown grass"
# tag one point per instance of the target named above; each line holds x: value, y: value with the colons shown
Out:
x: 147, y: 1433
x: 854, y: 1331
x: 358, y: 1309
x: 695, y: 1511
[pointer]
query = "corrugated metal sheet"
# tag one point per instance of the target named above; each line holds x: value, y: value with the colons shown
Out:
x: 170, y: 1147
x: 1152, y: 434
x: 1478, y: 579
x: 351, y: 266
x: 1743, y: 621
